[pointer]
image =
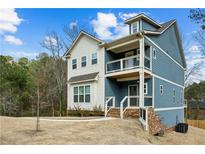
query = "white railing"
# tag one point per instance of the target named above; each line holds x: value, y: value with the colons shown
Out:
x: 122, y: 64
x: 144, y: 116
x: 108, y: 107
x: 123, y: 107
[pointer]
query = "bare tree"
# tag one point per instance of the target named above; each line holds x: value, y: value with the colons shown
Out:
x: 71, y: 32
x: 54, y: 44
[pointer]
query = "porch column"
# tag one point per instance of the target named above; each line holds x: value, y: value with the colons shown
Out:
x: 141, y: 73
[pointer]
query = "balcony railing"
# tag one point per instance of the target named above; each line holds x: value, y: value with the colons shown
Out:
x: 122, y: 64
x: 126, y: 64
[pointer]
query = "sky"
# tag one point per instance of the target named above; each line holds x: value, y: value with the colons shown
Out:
x: 22, y: 30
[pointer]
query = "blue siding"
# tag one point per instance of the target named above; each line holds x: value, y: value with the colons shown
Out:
x: 168, y: 42
x: 171, y: 117
x: 147, y: 26
x: 166, y: 100
x: 120, y: 89
x: 166, y: 68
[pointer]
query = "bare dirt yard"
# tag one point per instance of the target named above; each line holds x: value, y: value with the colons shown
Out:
x: 113, y: 131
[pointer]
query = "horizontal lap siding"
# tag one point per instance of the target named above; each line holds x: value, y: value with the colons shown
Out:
x: 166, y: 100
x: 171, y: 117
x: 168, y: 42
x: 147, y: 26
x: 166, y: 67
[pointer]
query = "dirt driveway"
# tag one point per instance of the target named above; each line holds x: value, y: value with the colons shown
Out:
x: 115, y: 131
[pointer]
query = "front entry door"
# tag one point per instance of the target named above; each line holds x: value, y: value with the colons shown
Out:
x: 133, y: 95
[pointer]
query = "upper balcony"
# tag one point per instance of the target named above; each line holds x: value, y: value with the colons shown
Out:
x: 127, y: 63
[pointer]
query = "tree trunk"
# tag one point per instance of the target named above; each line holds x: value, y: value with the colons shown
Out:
x: 38, y: 105
x: 53, y: 109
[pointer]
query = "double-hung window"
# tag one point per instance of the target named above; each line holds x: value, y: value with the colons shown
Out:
x: 75, y: 91
x: 135, y: 27
x: 87, y: 94
x: 81, y: 94
x: 83, y: 61
x: 94, y: 58
x: 74, y: 63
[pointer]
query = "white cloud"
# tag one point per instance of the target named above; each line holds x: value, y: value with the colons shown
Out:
x: 107, y: 27
x: 50, y: 41
x: 194, y: 48
x: 125, y: 16
x: 9, y: 20
x: 12, y: 40
x: 103, y: 24
x: 73, y: 24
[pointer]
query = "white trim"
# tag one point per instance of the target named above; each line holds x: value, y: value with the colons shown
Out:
x: 86, y: 64
x: 151, y: 32
x: 93, y: 59
x: 74, y: 64
x: 78, y: 86
x: 83, y: 81
x: 159, y: 77
x: 165, y: 52
x: 142, y: 15
x: 169, y: 108
x: 123, y: 44
x: 122, y: 72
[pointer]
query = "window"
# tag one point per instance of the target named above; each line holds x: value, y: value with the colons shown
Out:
x: 154, y: 53
x: 145, y: 88
x: 174, y: 96
x: 161, y: 89
x: 94, y: 58
x: 87, y: 94
x: 81, y: 94
x: 74, y: 63
x: 83, y: 61
x: 75, y: 90
x: 135, y: 27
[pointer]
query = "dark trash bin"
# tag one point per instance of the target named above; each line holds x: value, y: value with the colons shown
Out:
x: 181, y: 127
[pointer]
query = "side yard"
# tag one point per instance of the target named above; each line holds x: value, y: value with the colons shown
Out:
x: 113, y: 131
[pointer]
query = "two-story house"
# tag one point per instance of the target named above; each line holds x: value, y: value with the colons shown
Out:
x: 140, y: 75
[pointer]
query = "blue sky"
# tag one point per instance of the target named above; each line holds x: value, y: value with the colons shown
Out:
x: 22, y: 30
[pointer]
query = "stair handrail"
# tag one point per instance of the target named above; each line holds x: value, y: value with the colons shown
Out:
x: 121, y: 106
x: 106, y: 104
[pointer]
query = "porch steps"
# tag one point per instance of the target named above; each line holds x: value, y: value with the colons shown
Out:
x: 114, y: 112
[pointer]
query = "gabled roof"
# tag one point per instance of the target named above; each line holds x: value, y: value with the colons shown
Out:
x: 76, y: 40
x: 144, y: 17
x: 162, y: 29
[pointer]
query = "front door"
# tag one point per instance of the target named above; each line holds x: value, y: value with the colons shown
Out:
x: 133, y: 95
